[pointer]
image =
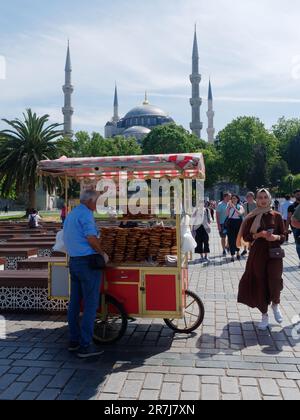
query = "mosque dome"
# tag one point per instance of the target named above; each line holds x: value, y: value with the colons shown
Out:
x: 137, y: 132
x: 146, y: 110
x: 146, y: 116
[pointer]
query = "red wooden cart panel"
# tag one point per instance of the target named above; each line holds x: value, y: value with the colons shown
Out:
x: 127, y: 294
x: 160, y: 292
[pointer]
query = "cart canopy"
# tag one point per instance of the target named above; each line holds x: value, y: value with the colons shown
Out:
x: 136, y: 167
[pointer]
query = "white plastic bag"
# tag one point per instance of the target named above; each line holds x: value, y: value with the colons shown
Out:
x: 188, y: 243
x: 59, y: 243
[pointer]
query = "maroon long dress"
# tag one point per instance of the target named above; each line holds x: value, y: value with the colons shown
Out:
x: 262, y: 282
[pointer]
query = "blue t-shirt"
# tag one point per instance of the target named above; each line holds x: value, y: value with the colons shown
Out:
x: 79, y: 224
x: 221, y: 210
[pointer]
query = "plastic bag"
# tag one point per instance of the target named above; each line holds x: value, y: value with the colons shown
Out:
x: 188, y: 243
x: 59, y: 243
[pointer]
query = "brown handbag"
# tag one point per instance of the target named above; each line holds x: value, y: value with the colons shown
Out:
x: 276, y: 253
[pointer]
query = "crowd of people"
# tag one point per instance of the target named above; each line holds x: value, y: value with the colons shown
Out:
x: 230, y: 214
x: 258, y: 227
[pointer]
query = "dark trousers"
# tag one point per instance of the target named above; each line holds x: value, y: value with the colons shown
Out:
x: 296, y: 233
x: 233, y: 231
x: 85, y: 288
x: 202, y: 239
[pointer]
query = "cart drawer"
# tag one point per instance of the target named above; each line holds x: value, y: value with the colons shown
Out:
x: 131, y: 276
x: 127, y: 294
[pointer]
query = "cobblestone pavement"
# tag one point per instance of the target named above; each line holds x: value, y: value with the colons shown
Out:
x: 226, y: 359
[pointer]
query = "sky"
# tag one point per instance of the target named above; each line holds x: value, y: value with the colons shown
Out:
x: 249, y: 48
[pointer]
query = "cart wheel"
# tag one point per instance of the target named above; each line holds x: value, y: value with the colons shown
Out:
x: 192, y: 318
x: 111, y: 324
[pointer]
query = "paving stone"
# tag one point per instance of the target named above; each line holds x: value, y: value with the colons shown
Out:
x: 115, y: 383
x: 269, y: 387
x: 61, y: 379
x: 153, y: 381
x: 290, y: 394
x: 191, y: 384
x: 107, y: 397
x: 248, y: 381
x: 131, y: 389
x: 39, y: 383
x: 250, y: 393
x: 28, y: 396
x: 170, y: 391
x: 190, y: 396
x: 149, y: 395
x: 229, y: 386
x: 6, y: 380
x: 210, y: 380
x: 286, y: 383
x: 13, y: 391
x: 49, y: 395
x: 231, y: 397
x: 210, y: 392
x: 173, y: 378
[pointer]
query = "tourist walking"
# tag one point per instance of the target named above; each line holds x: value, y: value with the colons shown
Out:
x: 234, y: 214
x: 202, y: 236
x: 221, y: 218
x: 262, y: 283
x: 291, y: 211
x: 248, y: 207
x: 284, y: 213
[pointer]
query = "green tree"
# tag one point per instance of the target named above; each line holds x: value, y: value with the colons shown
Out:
x: 22, y: 147
x: 247, y: 148
x: 278, y: 172
x: 291, y: 183
x: 293, y: 154
x: 171, y: 138
x: 285, y: 131
x: 95, y: 145
x: 213, y: 165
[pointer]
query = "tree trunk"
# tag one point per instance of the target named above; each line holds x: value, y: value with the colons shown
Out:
x: 32, y: 197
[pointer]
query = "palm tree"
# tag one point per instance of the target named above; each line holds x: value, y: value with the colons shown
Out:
x: 22, y: 147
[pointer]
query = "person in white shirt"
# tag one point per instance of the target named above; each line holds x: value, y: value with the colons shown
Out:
x: 284, y: 210
x: 202, y: 235
x: 34, y: 219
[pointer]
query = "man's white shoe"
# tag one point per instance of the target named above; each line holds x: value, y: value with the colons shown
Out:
x: 264, y: 324
x: 277, y: 314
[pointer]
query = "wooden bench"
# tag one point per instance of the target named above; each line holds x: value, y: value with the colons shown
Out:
x: 24, y: 278
x: 32, y: 240
x: 13, y: 255
x: 31, y: 244
x: 39, y: 263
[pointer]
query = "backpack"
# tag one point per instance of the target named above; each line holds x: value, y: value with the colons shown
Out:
x: 32, y: 222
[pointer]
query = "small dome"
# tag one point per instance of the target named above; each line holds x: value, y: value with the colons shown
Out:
x: 138, y: 132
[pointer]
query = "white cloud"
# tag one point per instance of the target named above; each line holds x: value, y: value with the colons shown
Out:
x: 248, y: 47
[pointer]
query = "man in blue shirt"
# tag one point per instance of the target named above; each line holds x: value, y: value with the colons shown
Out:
x: 81, y: 242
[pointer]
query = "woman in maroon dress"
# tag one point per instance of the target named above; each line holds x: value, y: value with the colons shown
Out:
x: 262, y: 282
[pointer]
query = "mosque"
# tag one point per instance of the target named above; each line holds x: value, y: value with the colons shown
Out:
x: 139, y: 121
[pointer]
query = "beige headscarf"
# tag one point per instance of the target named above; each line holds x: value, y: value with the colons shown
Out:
x: 257, y: 214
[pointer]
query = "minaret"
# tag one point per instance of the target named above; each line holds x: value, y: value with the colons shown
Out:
x: 68, y: 89
x: 195, y: 78
x: 210, y: 115
x: 116, y: 117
